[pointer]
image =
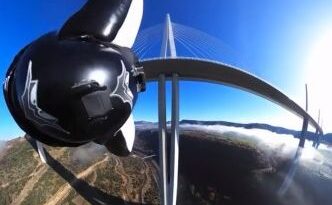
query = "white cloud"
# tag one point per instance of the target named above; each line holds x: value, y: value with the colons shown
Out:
x: 87, y: 153
x: 268, y: 141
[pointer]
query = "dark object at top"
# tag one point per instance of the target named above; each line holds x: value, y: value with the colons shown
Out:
x: 98, y: 19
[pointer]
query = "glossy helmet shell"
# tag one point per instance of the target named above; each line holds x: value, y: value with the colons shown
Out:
x: 69, y: 92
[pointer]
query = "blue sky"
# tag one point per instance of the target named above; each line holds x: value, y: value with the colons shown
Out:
x: 273, y: 40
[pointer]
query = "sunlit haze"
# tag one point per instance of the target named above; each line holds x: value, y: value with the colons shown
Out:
x: 318, y: 72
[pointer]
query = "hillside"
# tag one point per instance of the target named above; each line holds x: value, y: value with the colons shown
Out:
x: 91, y: 171
x: 217, y: 165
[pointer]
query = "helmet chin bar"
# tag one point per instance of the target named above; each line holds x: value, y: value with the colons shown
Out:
x: 122, y: 143
x: 41, y: 152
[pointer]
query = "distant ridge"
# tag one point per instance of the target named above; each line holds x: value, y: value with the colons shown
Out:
x: 327, y: 138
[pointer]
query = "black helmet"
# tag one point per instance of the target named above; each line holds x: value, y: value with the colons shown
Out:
x: 68, y: 89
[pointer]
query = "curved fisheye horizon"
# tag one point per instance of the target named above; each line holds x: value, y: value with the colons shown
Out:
x: 271, y: 64
x: 178, y: 102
